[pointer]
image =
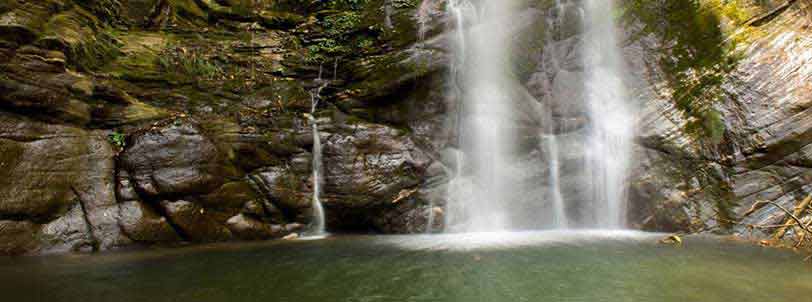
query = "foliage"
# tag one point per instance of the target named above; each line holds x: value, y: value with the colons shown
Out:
x: 345, y: 4
x: 341, y: 24
x: 118, y: 139
x: 339, y: 37
x: 365, y: 43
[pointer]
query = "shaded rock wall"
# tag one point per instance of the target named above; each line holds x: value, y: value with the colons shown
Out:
x: 139, y: 122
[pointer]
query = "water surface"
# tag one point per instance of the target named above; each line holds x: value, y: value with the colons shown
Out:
x: 492, y: 267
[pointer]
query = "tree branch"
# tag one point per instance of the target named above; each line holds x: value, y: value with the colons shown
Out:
x: 799, y: 211
x: 791, y: 215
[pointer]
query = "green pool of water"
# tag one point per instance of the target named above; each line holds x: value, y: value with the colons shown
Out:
x: 535, y: 266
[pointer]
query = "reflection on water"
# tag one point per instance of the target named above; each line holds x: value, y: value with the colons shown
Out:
x: 535, y: 266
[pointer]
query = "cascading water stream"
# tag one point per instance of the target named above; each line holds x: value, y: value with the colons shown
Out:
x: 491, y: 186
x: 560, y: 218
x: 317, y: 227
x: 480, y: 190
x: 612, y: 118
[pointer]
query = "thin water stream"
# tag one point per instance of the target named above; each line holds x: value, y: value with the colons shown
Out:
x: 317, y: 226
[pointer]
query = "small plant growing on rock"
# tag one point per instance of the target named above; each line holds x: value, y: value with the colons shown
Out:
x: 346, y: 4
x: 118, y: 139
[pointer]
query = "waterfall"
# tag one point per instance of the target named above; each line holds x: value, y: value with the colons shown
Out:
x: 560, y: 219
x: 584, y: 54
x: 387, y: 12
x: 480, y: 193
x: 585, y: 120
x: 612, y: 119
x: 318, y: 224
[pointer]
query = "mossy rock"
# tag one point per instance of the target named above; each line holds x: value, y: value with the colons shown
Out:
x: 284, y: 95
x: 139, y: 59
x: 25, y: 22
x: 86, y: 41
x: 379, y: 76
x: 280, y: 20
x: 133, y: 113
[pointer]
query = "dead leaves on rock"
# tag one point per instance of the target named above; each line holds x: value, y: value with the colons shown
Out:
x: 675, y: 240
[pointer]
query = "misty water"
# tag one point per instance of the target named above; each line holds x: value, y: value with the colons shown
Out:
x: 490, y: 267
x: 493, y: 188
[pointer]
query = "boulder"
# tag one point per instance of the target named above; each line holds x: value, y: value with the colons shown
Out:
x: 248, y: 228
x: 194, y: 223
x: 142, y: 224
x: 174, y: 160
x: 51, y: 170
x: 370, y: 166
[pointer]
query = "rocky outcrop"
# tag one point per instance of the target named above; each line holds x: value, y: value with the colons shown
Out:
x: 58, y: 180
x: 167, y: 121
x: 692, y: 182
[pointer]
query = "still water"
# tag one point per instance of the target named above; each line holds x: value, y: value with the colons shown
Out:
x: 490, y: 267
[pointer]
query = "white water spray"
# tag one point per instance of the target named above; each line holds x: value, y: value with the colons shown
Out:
x: 490, y: 183
x: 612, y: 118
x: 480, y: 192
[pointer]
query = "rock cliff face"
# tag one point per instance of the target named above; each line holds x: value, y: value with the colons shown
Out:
x: 128, y: 122
x: 726, y: 169
x: 140, y: 122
